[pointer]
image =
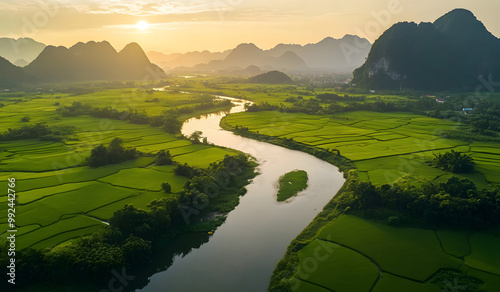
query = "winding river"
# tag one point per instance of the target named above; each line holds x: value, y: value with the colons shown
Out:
x: 242, y: 253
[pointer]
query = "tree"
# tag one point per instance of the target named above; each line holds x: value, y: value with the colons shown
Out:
x: 114, y: 153
x: 137, y: 250
x: 163, y: 157
x: 196, y: 137
x: 167, y: 188
x: 130, y: 220
x: 172, y: 125
x: 453, y: 161
x: 98, y: 156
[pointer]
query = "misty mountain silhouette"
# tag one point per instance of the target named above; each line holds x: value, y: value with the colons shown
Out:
x: 92, y: 61
x: 20, y: 49
x: 329, y: 55
x: 189, y: 59
x: 334, y: 55
x: 451, y: 53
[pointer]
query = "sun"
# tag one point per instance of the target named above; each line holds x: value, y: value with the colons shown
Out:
x: 142, y: 25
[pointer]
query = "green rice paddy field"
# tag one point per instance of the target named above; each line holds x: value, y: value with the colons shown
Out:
x: 383, y: 146
x: 351, y: 254
x: 58, y: 198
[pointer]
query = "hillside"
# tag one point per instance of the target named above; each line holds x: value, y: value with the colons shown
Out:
x: 92, y: 61
x: 451, y: 53
x: 10, y: 75
x: 272, y: 77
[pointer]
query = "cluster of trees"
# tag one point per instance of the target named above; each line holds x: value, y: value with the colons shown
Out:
x: 132, y: 233
x: 163, y: 157
x: 485, y: 117
x: 456, y: 203
x: 40, y: 130
x: 197, y: 138
x: 114, y: 153
x: 454, y: 161
x: 313, y: 106
x: 168, y: 120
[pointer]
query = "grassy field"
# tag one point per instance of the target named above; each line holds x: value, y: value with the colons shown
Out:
x: 61, y: 199
x: 383, y: 146
x: 273, y: 94
x: 353, y: 254
x: 290, y: 184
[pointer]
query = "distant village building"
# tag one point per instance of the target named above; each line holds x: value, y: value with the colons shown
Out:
x: 441, y: 100
x: 7, y: 90
x: 467, y: 110
x: 372, y: 91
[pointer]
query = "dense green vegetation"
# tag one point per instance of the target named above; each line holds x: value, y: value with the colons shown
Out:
x: 114, y: 153
x: 40, y: 130
x: 455, y: 162
x: 455, y: 203
x: 290, y: 184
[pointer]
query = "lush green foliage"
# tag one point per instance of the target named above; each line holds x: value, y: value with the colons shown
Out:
x: 114, y: 153
x: 40, y: 130
x: 163, y: 157
x: 455, y: 162
x: 455, y: 203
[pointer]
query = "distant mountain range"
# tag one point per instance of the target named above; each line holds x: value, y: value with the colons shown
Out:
x: 21, y: 51
x: 190, y: 59
x: 451, y: 53
x: 329, y: 55
x: 92, y: 61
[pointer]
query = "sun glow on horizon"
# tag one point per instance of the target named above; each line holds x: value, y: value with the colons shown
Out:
x: 142, y: 25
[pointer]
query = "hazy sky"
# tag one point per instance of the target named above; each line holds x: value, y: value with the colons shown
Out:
x: 188, y: 25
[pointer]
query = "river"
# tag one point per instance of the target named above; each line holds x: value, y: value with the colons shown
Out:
x: 242, y: 253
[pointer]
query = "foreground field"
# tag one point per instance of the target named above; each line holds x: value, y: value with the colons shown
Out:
x: 353, y: 254
x: 383, y: 146
x: 59, y: 198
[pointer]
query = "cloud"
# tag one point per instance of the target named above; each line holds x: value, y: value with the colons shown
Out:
x: 145, y: 7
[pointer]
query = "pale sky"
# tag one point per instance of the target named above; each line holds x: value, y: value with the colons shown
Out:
x: 216, y: 25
